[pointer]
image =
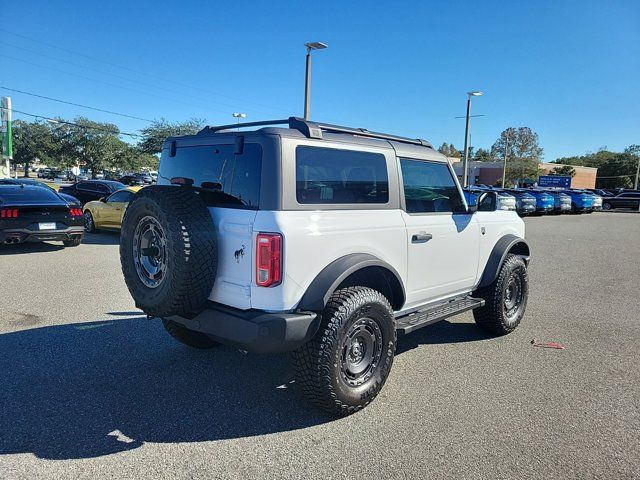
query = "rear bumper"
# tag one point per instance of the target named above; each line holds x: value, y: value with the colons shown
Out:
x: 24, y: 235
x: 254, y: 330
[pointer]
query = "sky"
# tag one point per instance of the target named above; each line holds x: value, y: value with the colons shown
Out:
x: 570, y: 70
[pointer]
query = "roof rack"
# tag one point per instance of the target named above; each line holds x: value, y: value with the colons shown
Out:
x: 314, y: 130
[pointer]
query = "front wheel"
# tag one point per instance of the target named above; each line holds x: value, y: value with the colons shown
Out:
x: 505, y: 298
x: 606, y: 206
x: 89, y: 222
x: 343, y: 368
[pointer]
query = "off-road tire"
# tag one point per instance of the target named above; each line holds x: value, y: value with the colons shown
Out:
x: 320, y: 362
x: 72, y: 243
x: 189, y: 252
x: 492, y: 317
x: 188, y: 337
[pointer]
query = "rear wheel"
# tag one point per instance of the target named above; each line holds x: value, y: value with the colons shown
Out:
x: 72, y: 243
x: 606, y: 206
x: 505, y: 298
x: 343, y: 368
x: 188, y: 337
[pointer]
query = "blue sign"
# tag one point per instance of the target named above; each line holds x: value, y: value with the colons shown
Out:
x: 554, y: 181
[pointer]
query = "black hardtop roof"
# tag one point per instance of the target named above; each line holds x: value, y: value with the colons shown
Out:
x: 25, y: 194
x: 300, y: 128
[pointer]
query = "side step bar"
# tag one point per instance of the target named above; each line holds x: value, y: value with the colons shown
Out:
x: 422, y: 318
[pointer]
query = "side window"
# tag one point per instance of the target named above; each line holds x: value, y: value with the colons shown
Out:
x: 227, y: 178
x: 120, y: 197
x: 85, y: 187
x: 330, y: 176
x: 100, y: 188
x: 429, y: 187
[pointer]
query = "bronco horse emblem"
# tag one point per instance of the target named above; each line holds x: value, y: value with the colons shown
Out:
x: 239, y: 253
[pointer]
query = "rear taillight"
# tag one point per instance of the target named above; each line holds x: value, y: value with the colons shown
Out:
x: 75, y: 212
x: 268, y: 259
x: 9, y: 213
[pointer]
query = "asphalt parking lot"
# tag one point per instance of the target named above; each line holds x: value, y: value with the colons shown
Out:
x: 91, y: 389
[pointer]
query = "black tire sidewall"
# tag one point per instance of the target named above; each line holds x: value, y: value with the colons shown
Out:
x: 364, y: 393
x: 515, y: 265
x: 144, y: 295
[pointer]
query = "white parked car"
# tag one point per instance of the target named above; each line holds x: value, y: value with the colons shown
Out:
x: 325, y: 240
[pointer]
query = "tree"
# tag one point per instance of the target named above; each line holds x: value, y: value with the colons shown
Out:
x: 483, y: 155
x: 522, y: 150
x: 615, y: 169
x: 566, y: 170
x: 32, y: 140
x: 94, y: 145
x: 155, y: 135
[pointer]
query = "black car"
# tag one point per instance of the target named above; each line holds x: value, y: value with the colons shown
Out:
x: 29, y: 181
x: 34, y: 214
x: 91, y: 189
x: 623, y: 200
x: 132, y: 181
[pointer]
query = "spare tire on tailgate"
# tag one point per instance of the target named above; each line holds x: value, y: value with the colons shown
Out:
x: 168, y: 250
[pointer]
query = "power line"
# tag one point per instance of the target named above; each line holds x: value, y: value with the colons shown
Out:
x: 58, y: 120
x: 76, y: 104
x: 138, y: 72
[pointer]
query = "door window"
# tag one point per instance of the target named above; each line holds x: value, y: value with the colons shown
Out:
x: 429, y: 187
x: 121, y: 197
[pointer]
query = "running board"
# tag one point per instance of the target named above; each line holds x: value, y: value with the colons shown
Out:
x: 422, y: 318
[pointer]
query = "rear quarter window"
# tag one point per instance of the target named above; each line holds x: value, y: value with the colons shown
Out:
x: 334, y: 176
x: 229, y: 179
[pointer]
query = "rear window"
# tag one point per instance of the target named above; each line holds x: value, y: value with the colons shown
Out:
x: 229, y: 179
x: 328, y: 175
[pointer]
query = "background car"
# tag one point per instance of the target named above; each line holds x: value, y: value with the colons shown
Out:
x: 544, y: 202
x: 132, y: 180
x: 31, y: 213
x: 107, y: 213
x: 28, y: 181
x: 561, y: 201
x: 624, y: 200
x: 91, y: 189
x: 525, y: 202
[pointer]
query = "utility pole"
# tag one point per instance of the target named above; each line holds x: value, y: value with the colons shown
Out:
x: 465, y: 163
x: 7, y: 136
x: 635, y: 187
x: 504, y: 161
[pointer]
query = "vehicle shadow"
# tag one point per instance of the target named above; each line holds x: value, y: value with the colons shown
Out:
x: 441, y: 333
x: 91, y: 389
x: 101, y: 238
x: 24, y: 248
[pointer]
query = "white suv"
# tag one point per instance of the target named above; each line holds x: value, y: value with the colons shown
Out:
x: 320, y: 239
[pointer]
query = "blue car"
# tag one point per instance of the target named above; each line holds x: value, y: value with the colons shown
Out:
x: 505, y: 201
x: 544, y: 202
x: 581, y: 202
x: 525, y: 202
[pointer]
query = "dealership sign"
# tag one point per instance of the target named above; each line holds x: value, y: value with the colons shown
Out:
x: 558, y: 181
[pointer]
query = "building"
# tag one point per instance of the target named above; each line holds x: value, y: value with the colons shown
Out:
x: 488, y: 173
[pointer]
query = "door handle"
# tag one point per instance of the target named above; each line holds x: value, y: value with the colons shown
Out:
x: 421, y: 237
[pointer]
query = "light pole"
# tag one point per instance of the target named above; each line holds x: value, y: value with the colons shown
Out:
x: 307, y: 80
x: 635, y: 187
x: 465, y: 163
x: 238, y: 116
x: 504, y: 161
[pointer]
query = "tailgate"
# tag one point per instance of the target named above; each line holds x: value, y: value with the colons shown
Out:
x: 234, y: 227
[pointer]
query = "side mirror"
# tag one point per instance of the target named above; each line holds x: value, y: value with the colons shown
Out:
x: 103, y: 199
x: 487, y: 202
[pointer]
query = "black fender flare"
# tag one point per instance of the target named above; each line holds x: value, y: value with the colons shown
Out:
x: 322, y: 287
x: 505, y: 245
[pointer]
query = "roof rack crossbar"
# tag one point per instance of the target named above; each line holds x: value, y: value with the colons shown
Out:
x: 314, y: 130
x: 218, y: 128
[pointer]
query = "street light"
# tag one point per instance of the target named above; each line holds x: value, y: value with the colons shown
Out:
x: 238, y: 116
x: 465, y: 163
x: 307, y: 82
